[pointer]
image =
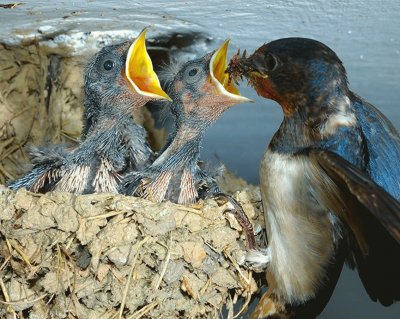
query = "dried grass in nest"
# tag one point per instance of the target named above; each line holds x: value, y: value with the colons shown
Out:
x: 111, y: 256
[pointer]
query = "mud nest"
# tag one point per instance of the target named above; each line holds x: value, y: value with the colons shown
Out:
x: 102, y: 255
x: 111, y: 256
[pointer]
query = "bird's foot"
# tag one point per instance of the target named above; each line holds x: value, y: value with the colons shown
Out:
x: 141, y: 188
x: 236, y: 209
x: 155, y: 187
x: 259, y: 258
x: 270, y: 306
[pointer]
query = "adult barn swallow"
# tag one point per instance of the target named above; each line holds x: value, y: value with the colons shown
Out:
x: 200, y: 92
x: 329, y: 179
x: 117, y: 80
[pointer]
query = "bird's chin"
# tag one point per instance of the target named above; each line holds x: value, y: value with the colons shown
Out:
x: 261, y: 85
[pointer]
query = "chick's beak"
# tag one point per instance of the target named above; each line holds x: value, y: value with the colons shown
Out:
x: 224, y: 86
x: 139, y: 70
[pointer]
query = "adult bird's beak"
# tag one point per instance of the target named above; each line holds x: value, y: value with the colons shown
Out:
x: 255, y: 66
x: 220, y: 79
x: 139, y: 70
x: 251, y: 67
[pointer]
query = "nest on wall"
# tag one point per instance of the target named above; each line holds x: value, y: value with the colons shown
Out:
x: 112, y: 256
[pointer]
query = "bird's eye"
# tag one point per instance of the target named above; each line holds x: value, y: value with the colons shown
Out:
x: 108, y: 65
x: 193, y: 72
x: 271, y: 62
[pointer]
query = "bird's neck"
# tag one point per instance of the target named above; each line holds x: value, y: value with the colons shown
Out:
x: 90, y: 114
x: 184, y: 148
x: 292, y: 136
x: 198, y: 115
x: 191, y: 123
x: 105, y: 118
x: 108, y: 108
x: 317, y: 121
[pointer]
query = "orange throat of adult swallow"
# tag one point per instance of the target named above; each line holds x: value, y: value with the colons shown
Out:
x: 220, y: 79
x: 265, y: 88
x: 140, y: 73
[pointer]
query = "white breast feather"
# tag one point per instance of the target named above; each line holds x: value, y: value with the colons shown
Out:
x: 298, y: 228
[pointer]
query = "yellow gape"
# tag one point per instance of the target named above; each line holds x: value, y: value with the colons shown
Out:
x: 220, y: 79
x: 139, y: 70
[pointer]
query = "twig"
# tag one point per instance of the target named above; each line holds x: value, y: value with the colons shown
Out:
x: 59, y: 266
x: 128, y: 282
x: 69, y: 243
x: 106, y: 215
x: 19, y: 250
x: 247, y: 282
x: 108, y: 314
x: 189, y: 209
x: 3, y: 265
x: 6, y: 296
x: 204, y: 288
x: 116, y: 275
x: 212, y: 248
x: 9, y: 152
x: 246, y: 303
x: 23, y: 301
x: 70, y: 137
x: 5, y: 172
x: 237, y: 267
x: 167, y: 258
x: 140, y: 313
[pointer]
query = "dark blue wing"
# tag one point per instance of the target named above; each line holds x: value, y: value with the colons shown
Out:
x: 369, y: 153
x: 383, y: 143
x: 372, y: 216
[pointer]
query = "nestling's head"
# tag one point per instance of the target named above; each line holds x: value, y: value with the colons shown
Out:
x: 301, y: 74
x: 122, y: 76
x: 200, y: 89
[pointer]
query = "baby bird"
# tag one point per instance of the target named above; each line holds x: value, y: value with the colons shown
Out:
x: 118, y: 80
x: 201, y: 93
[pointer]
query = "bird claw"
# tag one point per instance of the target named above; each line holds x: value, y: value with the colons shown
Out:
x: 141, y: 189
x: 236, y: 209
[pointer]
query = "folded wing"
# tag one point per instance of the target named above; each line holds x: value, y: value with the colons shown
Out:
x: 372, y: 217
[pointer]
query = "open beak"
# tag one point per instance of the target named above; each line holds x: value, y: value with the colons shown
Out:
x: 218, y: 65
x: 139, y: 70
